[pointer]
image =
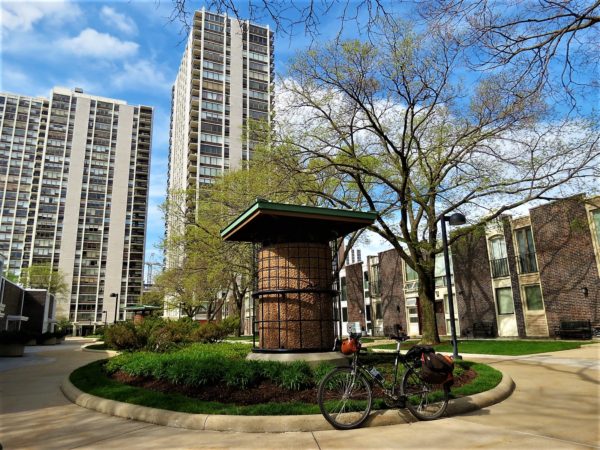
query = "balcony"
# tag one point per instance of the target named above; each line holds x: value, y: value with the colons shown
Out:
x: 500, y: 267
x: 527, y: 263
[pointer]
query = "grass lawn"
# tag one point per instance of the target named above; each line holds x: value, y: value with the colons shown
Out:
x: 509, y: 348
x: 93, y: 380
x: 239, y: 338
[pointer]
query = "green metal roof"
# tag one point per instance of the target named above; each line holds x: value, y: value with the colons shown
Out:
x: 268, y: 221
x: 141, y: 308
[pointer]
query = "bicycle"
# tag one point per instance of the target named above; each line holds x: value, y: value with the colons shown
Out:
x: 345, y: 394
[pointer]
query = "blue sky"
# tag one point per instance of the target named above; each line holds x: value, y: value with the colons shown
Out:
x: 127, y: 50
x: 124, y: 50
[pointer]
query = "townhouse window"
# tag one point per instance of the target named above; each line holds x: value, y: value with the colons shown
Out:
x: 533, y: 297
x: 596, y: 218
x: 526, y: 249
x: 378, y: 311
x: 410, y: 273
x: 504, y: 300
x: 375, y: 280
x: 499, y: 259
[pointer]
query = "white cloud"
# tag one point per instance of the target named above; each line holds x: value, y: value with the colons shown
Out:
x: 120, y: 21
x: 21, y: 16
x: 141, y: 75
x: 98, y: 45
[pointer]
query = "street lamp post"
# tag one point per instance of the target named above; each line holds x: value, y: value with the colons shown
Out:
x: 116, y: 297
x: 454, y: 219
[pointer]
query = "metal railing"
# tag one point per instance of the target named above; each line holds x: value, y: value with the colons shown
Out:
x: 499, y: 267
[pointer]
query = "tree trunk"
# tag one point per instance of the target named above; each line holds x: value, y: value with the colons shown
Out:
x: 429, y: 329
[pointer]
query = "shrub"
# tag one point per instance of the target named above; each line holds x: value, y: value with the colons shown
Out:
x: 167, y: 335
x: 210, y: 332
x: 123, y: 336
x: 230, y: 324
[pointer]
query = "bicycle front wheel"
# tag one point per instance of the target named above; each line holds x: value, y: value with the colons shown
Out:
x: 344, y: 398
x: 425, y: 401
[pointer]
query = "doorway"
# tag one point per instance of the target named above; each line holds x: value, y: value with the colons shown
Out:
x: 412, y: 317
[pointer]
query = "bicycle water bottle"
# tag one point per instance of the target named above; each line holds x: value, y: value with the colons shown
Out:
x: 375, y: 373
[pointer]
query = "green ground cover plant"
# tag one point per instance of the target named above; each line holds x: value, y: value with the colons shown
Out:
x: 498, y: 347
x: 206, y: 365
x: 211, y: 364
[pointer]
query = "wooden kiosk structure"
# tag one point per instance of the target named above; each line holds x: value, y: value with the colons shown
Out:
x: 294, y: 307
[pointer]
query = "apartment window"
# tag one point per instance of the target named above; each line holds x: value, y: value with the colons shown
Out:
x: 526, y: 249
x: 596, y: 218
x: 499, y: 259
x: 343, y: 290
x: 533, y: 297
x: 504, y: 300
x: 410, y: 274
x: 375, y: 280
x: 378, y: 311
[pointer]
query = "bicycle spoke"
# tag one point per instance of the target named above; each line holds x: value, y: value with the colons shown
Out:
x: 425, y: 401
x: 344, y: 398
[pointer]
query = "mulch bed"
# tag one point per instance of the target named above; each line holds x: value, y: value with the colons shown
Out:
x: 266, y: 392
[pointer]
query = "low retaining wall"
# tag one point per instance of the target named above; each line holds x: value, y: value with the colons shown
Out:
x: 270, y: 424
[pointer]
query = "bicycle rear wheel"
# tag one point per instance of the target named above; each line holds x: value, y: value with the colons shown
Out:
x: 344, y: 398
x: 425, y: 401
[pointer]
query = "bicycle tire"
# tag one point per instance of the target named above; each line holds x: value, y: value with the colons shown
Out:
x: 344, y: 398
x: 425, y: 401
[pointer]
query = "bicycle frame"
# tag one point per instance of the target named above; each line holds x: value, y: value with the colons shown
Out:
x: 357, y: 366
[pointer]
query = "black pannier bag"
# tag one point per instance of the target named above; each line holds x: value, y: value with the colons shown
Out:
x: 437, y: 368
x: 414, y: 353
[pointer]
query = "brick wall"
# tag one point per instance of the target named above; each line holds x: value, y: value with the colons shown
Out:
x: 566, y: 261
x: 355, y: 294
x: 392, y: 291
x: 473, y: 280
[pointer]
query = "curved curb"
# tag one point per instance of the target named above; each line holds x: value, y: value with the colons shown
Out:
x: 270, y: 424
x: 109, y: 353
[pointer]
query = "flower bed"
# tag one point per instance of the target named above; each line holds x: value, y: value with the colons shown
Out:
x: 217, y: 379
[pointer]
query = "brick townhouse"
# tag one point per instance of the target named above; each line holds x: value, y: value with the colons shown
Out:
x: 521, y: 275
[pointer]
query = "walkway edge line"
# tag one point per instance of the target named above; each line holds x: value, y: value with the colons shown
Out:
x: 269, y: 424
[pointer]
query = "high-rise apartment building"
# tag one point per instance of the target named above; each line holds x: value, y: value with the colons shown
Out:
x: 225, y: 78
x: 73, y: 194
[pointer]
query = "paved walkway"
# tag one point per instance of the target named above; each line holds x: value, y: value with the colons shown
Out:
x: 556, y: 405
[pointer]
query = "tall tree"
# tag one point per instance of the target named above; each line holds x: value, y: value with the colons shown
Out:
x: 41, y: 276
x: 231, y: 263
x: 553, y: 43
x: 191, y: 288
x: 393, y: 127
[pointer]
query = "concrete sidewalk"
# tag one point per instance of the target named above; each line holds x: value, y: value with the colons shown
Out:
x: 556, y: 405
